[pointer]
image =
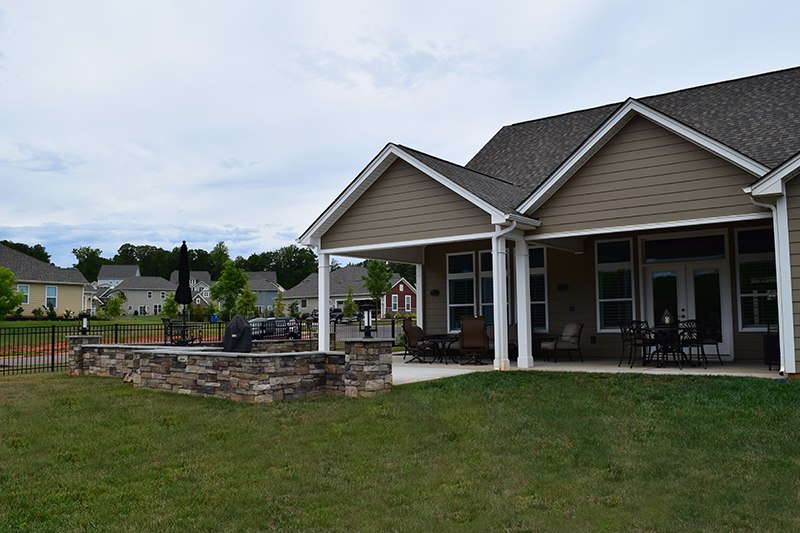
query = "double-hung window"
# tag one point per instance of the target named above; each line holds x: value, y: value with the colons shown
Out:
x: 757, y: 284
x: 395, y: 299
x: 51, y: 296
x: 26, y: 291
x: 460, y: 288
x: 408, y: 303
x: 614, y: 273
x: 538, y: 282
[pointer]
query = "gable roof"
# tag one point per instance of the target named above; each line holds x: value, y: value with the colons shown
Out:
x: 117, y: 271
x: 146, y: 283
x: 340, y: 281
x: 263, y: 281
x: 27, y: 268
x: 199, y: 275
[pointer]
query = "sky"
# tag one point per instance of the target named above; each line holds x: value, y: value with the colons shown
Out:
x: 157, y: 121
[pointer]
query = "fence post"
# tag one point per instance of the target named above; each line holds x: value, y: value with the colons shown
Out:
x: 394, y: 321
x: 53, y: 348
x: 116, y: 333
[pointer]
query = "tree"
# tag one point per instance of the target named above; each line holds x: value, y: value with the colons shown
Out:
x: 291, y: 264
x: 246, y: 303
x: 406, y: 270
x: 170, y: 309
x: 10, y: 298
x: 218, y: 258
x: 89, y: 261
x: 294, y: 309
x: 36, y: 251
x: 349, y: 307
x: 232, y: 281
x: 377, y: 281
x: 278, y: 305
x: 115, y: 303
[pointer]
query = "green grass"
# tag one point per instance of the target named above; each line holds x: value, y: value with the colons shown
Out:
x: 511, y: 451
x: 77, y: 322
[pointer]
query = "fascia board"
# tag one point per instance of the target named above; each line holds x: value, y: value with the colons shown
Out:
x: 772, y: 183
x: 368, y: 176
x: 614, y: 123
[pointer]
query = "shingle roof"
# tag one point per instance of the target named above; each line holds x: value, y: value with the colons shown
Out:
x: 27, y: 268
x: 200, y: 275
x: 263, y: 281
x: 758, y: 116
x: 341, y: 280
x: 147, y: 283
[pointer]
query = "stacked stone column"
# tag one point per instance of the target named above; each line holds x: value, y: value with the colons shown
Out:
x: 368, y: 367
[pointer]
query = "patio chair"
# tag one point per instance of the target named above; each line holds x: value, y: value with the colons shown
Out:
x: 772, y: 349
x: 473, y: 341
x: 417, y: 348
x: 691, y: 338
x: 569, y: 341
x: 710, y: 334
x: 642, y: 338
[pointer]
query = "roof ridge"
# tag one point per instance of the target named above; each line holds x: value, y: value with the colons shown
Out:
x: 557, y: 115
x: 461, y: 166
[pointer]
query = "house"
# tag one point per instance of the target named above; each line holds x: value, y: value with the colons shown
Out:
x: 341, y: 280
x: 683, y: 202
x: 401, y: 298
x: 113, y: 275
x: 265, y: 285
x: 144, y: 295
x: 200, y: 285
x: 44, y: 284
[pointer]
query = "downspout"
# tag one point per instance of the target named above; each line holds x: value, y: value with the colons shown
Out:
x: 778, y: 273
x: 500, y: 327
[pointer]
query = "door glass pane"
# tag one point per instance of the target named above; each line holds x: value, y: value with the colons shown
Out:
x: 665, y: 295
x: 707, y: 306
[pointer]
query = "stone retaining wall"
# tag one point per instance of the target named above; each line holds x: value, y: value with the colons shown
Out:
x: 363, y: 370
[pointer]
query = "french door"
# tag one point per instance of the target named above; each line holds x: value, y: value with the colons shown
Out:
x: 691, y: 291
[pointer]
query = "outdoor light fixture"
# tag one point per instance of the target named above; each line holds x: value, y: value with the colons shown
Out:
x: 84, y: 316
x: 367, y: 324
x: 434, y: 292
x: 666, y: 317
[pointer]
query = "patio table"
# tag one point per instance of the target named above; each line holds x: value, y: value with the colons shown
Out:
x: 668, y: 342
x: 443, y: 342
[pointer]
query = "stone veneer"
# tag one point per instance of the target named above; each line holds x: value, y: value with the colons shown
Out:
x: 364, y: 369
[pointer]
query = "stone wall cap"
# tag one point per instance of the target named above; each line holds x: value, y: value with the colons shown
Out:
x: 367, y: 341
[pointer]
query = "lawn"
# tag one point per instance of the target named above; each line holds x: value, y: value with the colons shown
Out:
x: 514, y: 451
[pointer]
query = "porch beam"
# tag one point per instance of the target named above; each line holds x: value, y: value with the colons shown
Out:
x: 522, y: 282
x: 324, y: 295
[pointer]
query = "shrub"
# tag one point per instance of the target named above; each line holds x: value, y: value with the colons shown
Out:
x: 68, y: 315
x: 37, y: 313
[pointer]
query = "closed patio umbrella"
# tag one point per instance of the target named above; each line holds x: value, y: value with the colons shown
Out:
x: 184, y: 293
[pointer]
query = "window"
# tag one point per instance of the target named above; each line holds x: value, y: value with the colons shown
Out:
x: 614, y: 284
x: 487, y: 292
x: 460, y: 288
x: 149, y: 295
x: 408, y: 303
x: 157, y: 309
x: 25, y: 290
x: 394, y: 302
x: 303, y: 304
x: 757, y: 284
x: 684, y: 249
x: 538, y: 289
x: 163, y: 294
x: 51, y: 296
x: 402, y: 288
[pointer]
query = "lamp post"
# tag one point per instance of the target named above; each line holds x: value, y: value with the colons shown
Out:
x: 84, y: 316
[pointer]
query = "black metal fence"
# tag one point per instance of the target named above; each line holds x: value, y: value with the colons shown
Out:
x: 28, y: 349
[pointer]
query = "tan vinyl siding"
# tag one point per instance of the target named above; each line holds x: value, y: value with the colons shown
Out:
x: 646, y: 174
x: 70, y: 297
x: 404, y: 205
x: 793, y: 204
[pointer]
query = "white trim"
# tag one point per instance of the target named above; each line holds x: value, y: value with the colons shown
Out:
x: 772, y: 183
x: 783, y: 267
x: 407, y: 303
x: 651, y: 226
x: 26, y: 292
x: 611, y: 126
x: 55, y: 306
x: 407, y: 244
x: 395, y: 303
x: 523, y: 302
x: 323, y: 302
x: 370, y: 174
x: 420, y: 296
x: 613, y: 266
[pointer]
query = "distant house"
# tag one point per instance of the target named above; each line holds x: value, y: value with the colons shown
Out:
x: 306, y: 292
x: 265, y: 285
x: 113, y: 275
x: 401, y: 298
x: 200, y: 284
x: 145, y: 294
x: 44, y: 284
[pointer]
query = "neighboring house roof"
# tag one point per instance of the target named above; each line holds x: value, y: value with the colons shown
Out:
x: 341, y: 280
x: 118, y: 271
x: 263, y: 281
x: 753, y: 122
x: 146, y: 283
x: 30, y: 269
x: 199, y: 275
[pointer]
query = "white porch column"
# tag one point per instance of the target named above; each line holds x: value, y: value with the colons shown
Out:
x: 783, y: 269
x: 499, y: 290
x: 420, y: 291
x: 522, y: 284
x: 324, y: 295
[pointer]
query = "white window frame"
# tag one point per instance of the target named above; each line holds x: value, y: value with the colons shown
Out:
x: 163, y: 294
x: 55, y: 298
x: 469, y: 275
x: 395, y: 302
x: 537, y: 271
x: 402, y: 289
x: 598, y: 267
x: 149, y: 295
x: 26, y: 290
x: 749, y: 258
x: 157, y: 309
x: 303, y: 303
x: 408, y: 303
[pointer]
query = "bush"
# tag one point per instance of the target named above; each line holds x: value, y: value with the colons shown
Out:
x: 68, y: 315
x: 37, y: 313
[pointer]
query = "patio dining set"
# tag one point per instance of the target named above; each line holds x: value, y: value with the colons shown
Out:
x: 682, y: 341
